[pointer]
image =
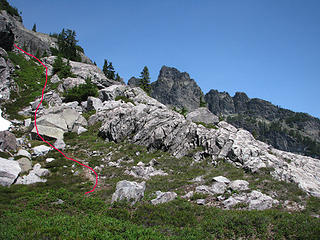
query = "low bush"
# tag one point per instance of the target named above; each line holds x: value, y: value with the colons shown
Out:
x: 82, y: 92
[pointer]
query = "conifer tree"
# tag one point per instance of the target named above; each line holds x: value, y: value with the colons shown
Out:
x: 145, y: 80
x: 111, y: 71
x: 118, y: 79
x: 34, y: 28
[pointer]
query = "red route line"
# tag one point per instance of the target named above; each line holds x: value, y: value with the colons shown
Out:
x: 35, y: 121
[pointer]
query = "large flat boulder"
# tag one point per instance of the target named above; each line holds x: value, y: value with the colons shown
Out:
x: 7, y: 141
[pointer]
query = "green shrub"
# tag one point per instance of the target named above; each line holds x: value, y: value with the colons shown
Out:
x: 61, y: 68
x: 125, y: 99
x: 82, y: 92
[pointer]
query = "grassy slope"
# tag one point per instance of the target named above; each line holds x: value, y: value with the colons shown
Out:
x: 27, y: 212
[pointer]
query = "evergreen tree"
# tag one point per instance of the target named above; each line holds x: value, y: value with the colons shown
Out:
x: 105, y: 67
x: 68, y: 45
x: 34, y: 28
x: 111, y: 71
x: 108, y: 70
x: 118, y: 79
x: 145, y: 80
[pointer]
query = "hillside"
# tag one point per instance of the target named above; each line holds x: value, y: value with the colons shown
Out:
x: 161, y: 174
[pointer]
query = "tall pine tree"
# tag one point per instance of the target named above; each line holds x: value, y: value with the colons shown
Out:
x: 145, y: 80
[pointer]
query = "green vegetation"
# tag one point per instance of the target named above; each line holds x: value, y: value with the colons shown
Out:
x: 125, y: 99
x: 82, y: 92
x: 34, y: 28
x: 109, y: 72
x: 30, y: 79
x: 67, y: 45
x: 207, y: 125
x: 61, y: 68
x: 28, y: 211
x: 202, y: 102
x: 145, y: 80
x: 4, y: 5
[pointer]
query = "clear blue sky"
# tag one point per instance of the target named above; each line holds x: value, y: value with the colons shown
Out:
x: 269, y: 49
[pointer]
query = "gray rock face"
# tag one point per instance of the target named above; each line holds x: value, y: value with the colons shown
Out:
x: 33, y: 42
x: 34, y: 176
x: 270, y: 123
x: 131, y: 191
x: 134, y: 82
x: 202, y: 115
x: 219, y: 102
x: 163, y: 197
x: 93, y: 103
x: 9, y: 171
x: 149, y: 123
x: 25, y: 164
x: 174, y: 88
x: 6, y: 68
x: 6, y: 34
x: 7, y: 141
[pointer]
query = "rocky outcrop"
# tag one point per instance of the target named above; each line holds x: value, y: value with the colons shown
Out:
x: 41, y: 150
x: 175, y: 88
x: 149, y: 123
x: 25, y: 164
x: 130, y: 191
x: 82, y: 71
x: 9, y: 171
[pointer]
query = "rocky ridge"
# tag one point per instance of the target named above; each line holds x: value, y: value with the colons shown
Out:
x: 148, y: 122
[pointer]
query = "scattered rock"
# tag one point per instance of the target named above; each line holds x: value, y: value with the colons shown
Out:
x: 7, y: 141
x: 255, y: 200
x: 140, y: 171
x: 27, y: 122
x: 239, y: 185
x: 59, y: 202
x: 24, y: 153
x: 131, y: 191
x: 25, y: 164
x: 188, y: 195
x: 34, y: 175
x: 163, y: 197
x: 49, y: 160
x: 201, y: 201
x: 59, y: 144
x: 221, y: 179
x: 9, y: 171
x: 41, y: 150
x: 81, y: 130
x: 218, y: 188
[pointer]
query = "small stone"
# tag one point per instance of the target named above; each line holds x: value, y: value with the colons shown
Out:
x: 25, y: 164
x: 221, y: 179
x: 201, y: 201
x: 239, y: 185
x: 60, y: 201
x: 59, y: 144
x: 49, y: 160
